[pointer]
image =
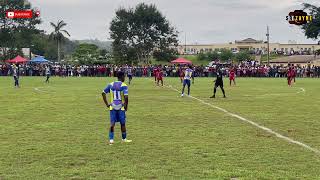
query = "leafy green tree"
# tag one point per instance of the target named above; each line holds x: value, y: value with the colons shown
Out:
x: 86, y: 53
x: 58, y: 35
x: 103, y: 52
x: 13, y: 52
x: 202, y: 56
x: 226, y: 55
x: 44, y: 46
x: 40, y: 43
x: 242, y: 56
x: 69, y: 46
x: 15, y: 33
x: 51, y: 52
x: 312, y: 29
x: 165, y: 54
x: 208, y: 56
x: 213, y: 55
x: 137, y: 32
x: 105, y: 57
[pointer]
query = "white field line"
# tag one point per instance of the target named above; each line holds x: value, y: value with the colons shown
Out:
x: 38, y: 89
x: 254, y: 124
x: 263, y: 95
x: 302, y: 90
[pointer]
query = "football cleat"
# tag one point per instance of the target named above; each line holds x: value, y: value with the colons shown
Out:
x: 126, y: 141
x: 111, y: 142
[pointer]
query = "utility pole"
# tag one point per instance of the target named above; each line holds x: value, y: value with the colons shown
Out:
x: 185, y: 42
x: 30, y: 51
x: 268, y: 49
x: 314, y: 54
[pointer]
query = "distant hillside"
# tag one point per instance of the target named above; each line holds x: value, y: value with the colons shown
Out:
x: 101, y: 44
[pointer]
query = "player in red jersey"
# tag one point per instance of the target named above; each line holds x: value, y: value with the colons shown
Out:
x: 289, y: 76
x: 181, y: 74
x: 155, y: 72
x: 145, y: 71
x: 232, y: 76
x: 293, y: 74
x: 160, y: 76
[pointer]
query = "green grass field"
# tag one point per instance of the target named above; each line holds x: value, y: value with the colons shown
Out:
x: 59, y: 131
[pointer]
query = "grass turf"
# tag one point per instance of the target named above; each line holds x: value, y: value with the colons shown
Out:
x: 59, y: 131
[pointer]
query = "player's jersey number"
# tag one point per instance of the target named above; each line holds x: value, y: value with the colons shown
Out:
x: 188, y: 75
x: 116, y: 95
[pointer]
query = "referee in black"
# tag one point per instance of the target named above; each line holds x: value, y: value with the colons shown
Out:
x: 218, y: 83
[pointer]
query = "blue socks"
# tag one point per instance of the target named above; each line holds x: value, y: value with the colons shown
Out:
x: 124, y: 135
x: 111, y: 135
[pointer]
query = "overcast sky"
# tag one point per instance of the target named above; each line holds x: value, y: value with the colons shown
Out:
x: 203, y: 21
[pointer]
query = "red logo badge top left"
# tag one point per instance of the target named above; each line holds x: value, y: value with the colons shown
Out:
x: 10, y: 14
x: 19, y: 14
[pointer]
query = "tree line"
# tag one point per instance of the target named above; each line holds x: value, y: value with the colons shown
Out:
x: 16, y: 34
x: 138, y: 35
x: 142, y: 32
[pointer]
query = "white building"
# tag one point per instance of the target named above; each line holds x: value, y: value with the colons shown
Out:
x: 258, y: 46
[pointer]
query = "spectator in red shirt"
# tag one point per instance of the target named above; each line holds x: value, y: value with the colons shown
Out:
x: 232, y: 76
x: 160, y: 76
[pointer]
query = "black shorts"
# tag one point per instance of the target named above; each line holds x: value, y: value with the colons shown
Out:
x: 218, y: 84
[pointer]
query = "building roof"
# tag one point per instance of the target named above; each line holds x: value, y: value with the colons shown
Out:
x: 249, y: 40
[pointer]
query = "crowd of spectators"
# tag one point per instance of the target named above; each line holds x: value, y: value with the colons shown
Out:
x: 244, y: 69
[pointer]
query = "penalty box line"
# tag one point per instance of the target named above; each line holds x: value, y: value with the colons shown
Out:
x: 254, y: 124
x: 38, y: 89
